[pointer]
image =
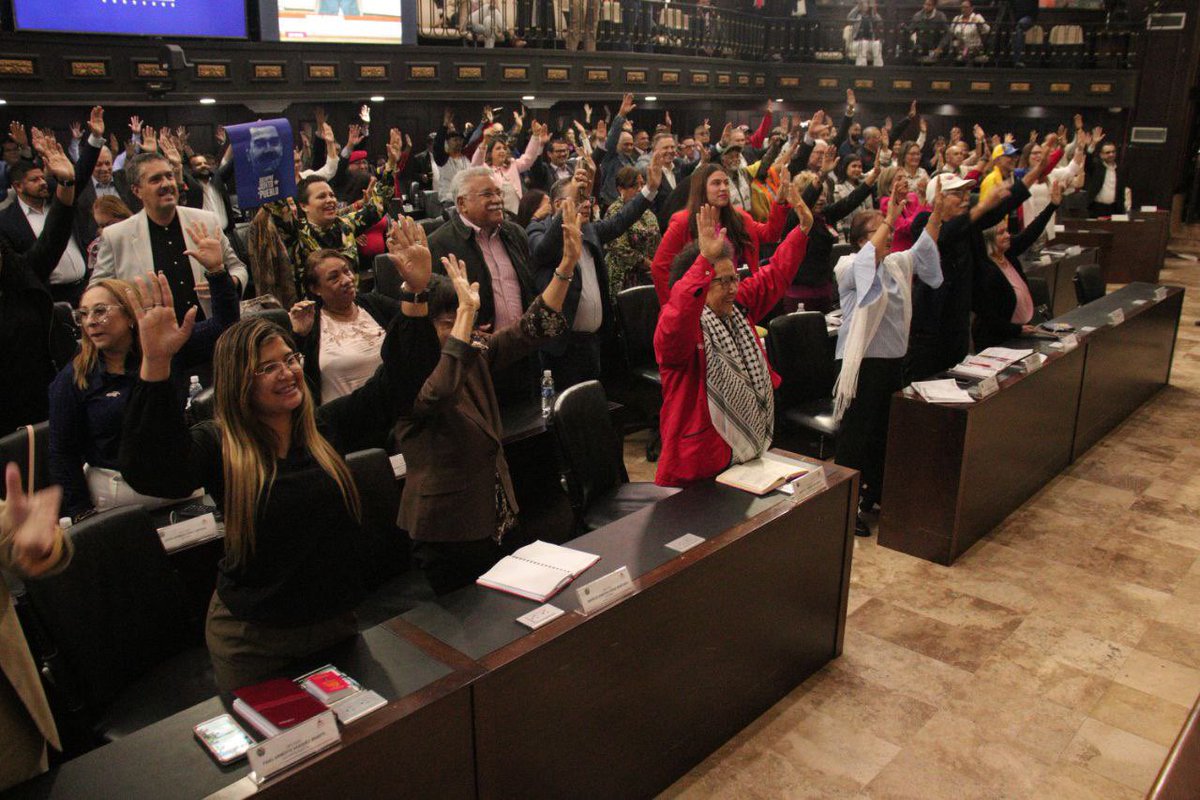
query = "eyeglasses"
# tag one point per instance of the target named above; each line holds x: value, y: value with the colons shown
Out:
x: 727, y: 280
x: 489, y: 194
x: 98, y: 312
x: 273, y: 369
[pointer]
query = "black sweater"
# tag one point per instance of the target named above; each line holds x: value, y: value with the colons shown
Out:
x: 305, y: 566
x: 817, y: 269
x: 995, y: 300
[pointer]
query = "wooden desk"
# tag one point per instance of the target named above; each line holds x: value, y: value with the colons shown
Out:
x: 418, y: 746
x: 1087, y: 237
x: 1136, y: 249
x: 1179, y: 778
x: 953, y: 472
x: 623, y: 702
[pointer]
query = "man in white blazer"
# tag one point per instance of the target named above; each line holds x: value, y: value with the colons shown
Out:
x: 156, y: 238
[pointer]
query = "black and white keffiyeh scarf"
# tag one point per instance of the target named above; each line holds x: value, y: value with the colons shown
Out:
x: 741, y: 402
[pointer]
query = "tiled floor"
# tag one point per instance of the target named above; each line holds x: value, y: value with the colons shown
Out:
x: 1056, y: 659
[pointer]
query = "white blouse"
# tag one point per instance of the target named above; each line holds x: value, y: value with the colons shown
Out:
x: 350, y: 353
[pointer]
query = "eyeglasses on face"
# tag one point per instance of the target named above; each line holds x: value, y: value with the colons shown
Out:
x: 488, y: 194
x: 99, y: 313
x: 273, y: 369
x: 727, y: 280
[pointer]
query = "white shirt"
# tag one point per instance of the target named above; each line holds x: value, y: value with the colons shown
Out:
x: 1108, y: 191
x: 350, y: 353
x: 104, y: 189
x: 590, y: 313
x: 213, y: 202
x: 443, y: 177
x: 72, y: 266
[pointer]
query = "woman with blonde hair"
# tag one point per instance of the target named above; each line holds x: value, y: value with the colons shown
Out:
x: 290, y: 578
x: 107, y: 210
x: 88, y: 397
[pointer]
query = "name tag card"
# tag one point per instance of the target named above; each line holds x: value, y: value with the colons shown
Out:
x: 1116, y: 317
x: 1069, y: 342
x: 605, y: 591
x: 399, y: 468
x: 190, y: 531
x: 1074, y: 250
x: 272, y: 756
x: 684, y: 543
x: 988, y: 386
x: 1086, y: 329
x: 1148, y: 209
x: 1120, y: 218
x: 540, y: 616
x: 1160, y: 294
x: 1033, y: 363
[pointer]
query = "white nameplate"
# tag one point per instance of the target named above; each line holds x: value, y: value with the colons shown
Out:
x: 1160, y: 294
x: 1060, y: 228
x: 297, y: 743
x: 989, y: 386
x: 1116, y: 317
x: 1074, y: 250
x: 1069, y: 342
x: 1086, y: 329
x: 540, y: 616
x: 684, y: 543
x: 1148, y: 209
x: 1140, y: 302
x: 1033, y: 363
x: 399, y: 468
x: 189, y: 532
x: 604, y: 591
x: 1120, y: 218
x: 357, y: 705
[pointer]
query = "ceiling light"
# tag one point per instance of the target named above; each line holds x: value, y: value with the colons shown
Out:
x: 778, y: 99
x: 377, y: 98
x: 208, y: 101
x: 528, y: 97
x: 651, y: 98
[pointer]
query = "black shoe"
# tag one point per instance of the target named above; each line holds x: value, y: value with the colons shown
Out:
x: 860, y: 526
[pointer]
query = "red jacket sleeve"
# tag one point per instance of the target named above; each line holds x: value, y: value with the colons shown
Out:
x: 769, y: 231
x: 757, y: 138
x: 678, y: 329
x: 677, y: 236
x: 759, y: 293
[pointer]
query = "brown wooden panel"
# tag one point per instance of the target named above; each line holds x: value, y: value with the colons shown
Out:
x: 1180, y: 775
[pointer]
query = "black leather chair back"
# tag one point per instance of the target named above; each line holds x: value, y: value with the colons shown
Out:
x: 387, y: 277
x: 203, y: 406
x: 431, y: 224
x: 64, y: 335
x: 590, y: 446
x: 637, y: 311
x: 1089, y: 283
x: 837, y: 251
x: 117, y: 610
x: 801, y: 351
x: 1039, y: 290
x: 15, y: 447
x: 433, y: 205
x: 277, y: 315
x: 385, y: 547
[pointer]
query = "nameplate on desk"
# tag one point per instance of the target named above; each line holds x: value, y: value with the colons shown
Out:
x: 988, y: 386
x: 540, y: 616
x: 1140, y: 302
x: 1060, y: 228
x: 806, y: 485
x: 1066, y: 343
x: 272, y: 756
x: 1074, y: 250
x: 1148, y: 209
x: 1116, y: 317
x: 1086, y: 329
x: 1160, y: 294
x: 684, y: 543
x: 1033, y: 362
x: 399, y: 467
x: 605, y: 591
x: 1120, y: 218
x: 189, y: 532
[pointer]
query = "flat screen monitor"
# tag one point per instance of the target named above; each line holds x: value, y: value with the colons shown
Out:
x: 362, y: 21
x: 218, y: 18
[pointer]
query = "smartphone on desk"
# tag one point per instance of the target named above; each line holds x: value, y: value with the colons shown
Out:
x: 224, y: 738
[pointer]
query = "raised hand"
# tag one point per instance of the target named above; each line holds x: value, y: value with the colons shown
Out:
x: 17, y: 132
x: 818, y: 126
x: 912, y: 110
x: 829, y: 160
x: 726, y: 133
x: 899, y: 197
x: 354, y: 135
x: 655, y: 172
x: 32, y: 522
x: 302, y: 315
x: 923, y: 125
x: 1097, y: 135
x: 1056, y: 193
x: 587, y: 113
x: 364, y: 113
x: 76, y: 131
x: 96, y: 121
x: 468, y: 293
x: 408, y: 249
x: 221, y: 136
x: 667, y: 119
x: 319, y: 117
x: 206, y: 246
x: 56, y: 161
x: 711, y: 236
x: 168, y: 148
x: 851, y: 105
x: 448, y: 119
x: 803, y: 212
x: 326, y: 132
x: 627, y: 105
x: 160, y: 334
x: 539, y: 131
x: 149, y: 139
x: 978, y: 131
x: 135, y: 125
x: 1079, y: 122
x: 395, y: 147
x: 572, y: 231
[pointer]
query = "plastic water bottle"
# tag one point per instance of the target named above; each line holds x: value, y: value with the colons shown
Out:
x: 194, y: 388
x: 547, y: 394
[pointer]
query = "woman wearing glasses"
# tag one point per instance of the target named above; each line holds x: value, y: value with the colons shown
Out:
x: 89, y: 396
x: 290, y: 578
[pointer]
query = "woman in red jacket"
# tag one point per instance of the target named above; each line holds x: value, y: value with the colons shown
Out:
x: 718, y: 402
x: 710, y: 186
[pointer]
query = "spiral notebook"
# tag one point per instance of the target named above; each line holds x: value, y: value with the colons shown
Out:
x: 537, y: 571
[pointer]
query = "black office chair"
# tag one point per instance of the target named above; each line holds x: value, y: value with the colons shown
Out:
x: 837, y: 251
x: 386, y: 546
x: 1089, y: 283
x: 127, y: 652
x: 637, y: 317
x: 387, y: 277
x: 801, y: 351
x: 15, y: 447
x: 432, y: 204
x: 64, y: 335
x: 1039, y: 291
x: 431, y: 224
x: 597, y: 482
x: 277, y: 315
x: 202, y: 407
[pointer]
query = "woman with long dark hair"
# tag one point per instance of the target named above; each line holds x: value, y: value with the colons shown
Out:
x: 710, y: 186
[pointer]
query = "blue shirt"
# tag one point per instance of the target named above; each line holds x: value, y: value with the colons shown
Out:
x: 864, y: 281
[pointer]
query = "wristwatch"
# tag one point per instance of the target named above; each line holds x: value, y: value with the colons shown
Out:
x: 409, y: 296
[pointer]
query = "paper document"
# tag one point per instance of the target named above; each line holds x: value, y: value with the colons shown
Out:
x: 1008, y: 354
x: 537, y: 571
x: 763, y: 474
x: 942, y: 391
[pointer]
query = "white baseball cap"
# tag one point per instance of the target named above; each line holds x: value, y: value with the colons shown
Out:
x: 948, y: 182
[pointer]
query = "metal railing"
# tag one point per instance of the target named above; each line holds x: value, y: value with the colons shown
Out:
x: 684, y: 28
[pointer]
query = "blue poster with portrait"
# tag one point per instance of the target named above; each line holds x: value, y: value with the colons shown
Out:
x: 262, y: 161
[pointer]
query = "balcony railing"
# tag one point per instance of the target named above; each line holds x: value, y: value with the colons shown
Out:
x: 680, y: 28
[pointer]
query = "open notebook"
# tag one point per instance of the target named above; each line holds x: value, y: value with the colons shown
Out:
x: 537, y: 571
x: 764, y: 474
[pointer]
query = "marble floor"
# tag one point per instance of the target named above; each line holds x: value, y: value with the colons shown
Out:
x: 1057, y: 659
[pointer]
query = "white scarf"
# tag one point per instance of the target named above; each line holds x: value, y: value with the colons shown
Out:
x: 896, y: 269
x: 741, y: 399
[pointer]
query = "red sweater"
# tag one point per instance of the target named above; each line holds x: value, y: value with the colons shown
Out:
x: 679, y: 233
x: 692, y: 449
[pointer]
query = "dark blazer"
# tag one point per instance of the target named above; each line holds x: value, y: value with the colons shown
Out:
x: 382, y: 309
x: 1093, y: 181
x: 193, y: 192
x: 456, y: 238
x: 546, y: 246
x: 85, y: 199
x: 15, y: 228
x: 541, y: 175
x: 26, y: 321
x: 451, y: 440
x: 995, y: 300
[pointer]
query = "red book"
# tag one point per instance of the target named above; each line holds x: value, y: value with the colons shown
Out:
x: 275, y: 705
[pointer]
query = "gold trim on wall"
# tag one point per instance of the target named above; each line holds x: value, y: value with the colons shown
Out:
x: 269, y: 71
x: 1060, y: 88
x: 901, y: 84
x: 700, y: 78
x: 789, y: 81
x: 469, y: 72
x: 1101, y: 88
x: 939, y: 86
x: 18, y: 67
x: 1020, y: 87
x: 724, y: 79
x: 636, y: 76
x: 422, y: 72
x: 669, y: 77
x: 557, y: 74
x: 516, y: 73
x: 981, y: 86
x: 597, y: 74
x: 212, y: 71
x: 374, y: 71
x: 149, y: 69
x: 321, y: 71
x: 827, y: 83
x: 97, y: 68
x: 864, y: 83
